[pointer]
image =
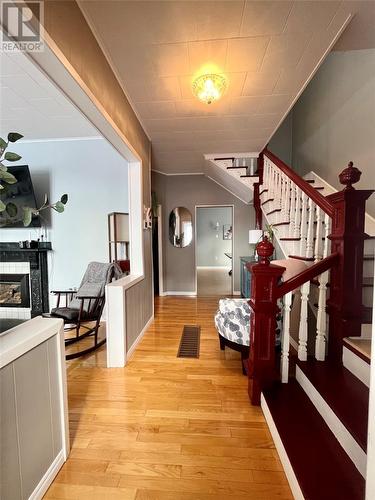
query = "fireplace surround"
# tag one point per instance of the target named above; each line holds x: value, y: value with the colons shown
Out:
x: 23, y: 280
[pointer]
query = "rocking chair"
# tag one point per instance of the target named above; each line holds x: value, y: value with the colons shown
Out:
x: 85, y: 305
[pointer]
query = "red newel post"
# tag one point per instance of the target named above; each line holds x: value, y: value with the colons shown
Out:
x: 261, y: 364
x: 348, y: 234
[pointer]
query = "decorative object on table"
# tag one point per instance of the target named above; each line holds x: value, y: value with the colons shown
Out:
x: 227, y: 232
x: 147, y: 217
x: 85, y: 305
x: 7, y: 179
x: 118, y: 236
x: 270, y: 231
x: 180, y: 227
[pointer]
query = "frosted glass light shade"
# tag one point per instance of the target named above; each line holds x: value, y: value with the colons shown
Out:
x: 255, y: 236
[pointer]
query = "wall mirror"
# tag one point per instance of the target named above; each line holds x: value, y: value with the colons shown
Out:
x: 180, y: 227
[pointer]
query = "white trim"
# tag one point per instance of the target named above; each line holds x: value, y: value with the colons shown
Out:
x: 111, y: 64
x: 160, y: 250
x: 48, y: 477
x: 63, y: 392
x: 356, y: 365
x: 185, y: 294
x: 293, y: 343
x: 287, y: 466
x: 343, y: 436
x: 176, y: 174
x: 237, y: 292
x: 309, y: 78
x: 219, y: 156
x: 224, y: 268
x: 370, y: 482
x: 63, y: 139
x: 138, y: 339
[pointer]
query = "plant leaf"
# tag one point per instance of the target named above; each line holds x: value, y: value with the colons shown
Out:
x: 7, y: 177
x: 64, y: 199
x: 2, y: 206
x: 14, y: 136
x: 27, y: 216
x: 12, y: 156
x: 3, y: 167
x: 3, y: 144
x: 59, y: 207
x: 11, y: 209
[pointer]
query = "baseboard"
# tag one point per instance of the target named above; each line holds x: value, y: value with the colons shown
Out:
x: 237, y: 292
x: 288, y: 469
x: 293, y: 343
x: 186, y: 294
x: 138, y: 339
x: 341, y: 433
x: 48, y: 477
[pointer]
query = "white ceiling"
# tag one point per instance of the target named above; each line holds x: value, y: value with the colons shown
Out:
x: 266, y: 49
x: 31, y: 104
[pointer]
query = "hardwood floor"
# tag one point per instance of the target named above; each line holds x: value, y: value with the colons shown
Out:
x: 166, y: 428
x: 213, y: 282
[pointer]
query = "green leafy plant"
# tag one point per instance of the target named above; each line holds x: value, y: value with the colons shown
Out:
x: 7, y: 179
x: 269, y: 231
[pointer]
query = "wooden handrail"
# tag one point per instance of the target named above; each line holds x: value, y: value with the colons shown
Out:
x: 312, y: 193
x: 307, y: 275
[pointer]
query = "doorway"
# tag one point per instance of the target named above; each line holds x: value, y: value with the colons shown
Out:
x: 214, y: 250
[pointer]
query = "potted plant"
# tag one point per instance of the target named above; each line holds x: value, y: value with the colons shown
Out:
x: 7, y: 179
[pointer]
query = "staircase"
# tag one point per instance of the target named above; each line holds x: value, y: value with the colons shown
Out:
x: 315, y: 394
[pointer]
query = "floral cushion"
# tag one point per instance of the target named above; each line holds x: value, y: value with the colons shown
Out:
x: 232, y: 320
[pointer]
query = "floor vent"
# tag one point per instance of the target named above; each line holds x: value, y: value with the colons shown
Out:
x: 190, y: 341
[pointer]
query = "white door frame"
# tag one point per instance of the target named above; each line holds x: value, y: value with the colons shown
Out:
x: 216, y: 205
x: 160, y: 249
x: 51, y: 61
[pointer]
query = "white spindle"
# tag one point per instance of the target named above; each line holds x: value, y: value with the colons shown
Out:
x: 318, y: 251
x: 310, y: 230
x: 292, y: 209
x: 303, y: 326
x: 285, y: 338
x: 321, y: 320
x: 303, y: 242
x: 297, y: 221
x: 287, y: 199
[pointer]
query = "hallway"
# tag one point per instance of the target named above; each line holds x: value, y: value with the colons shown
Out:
x: 165, y: 428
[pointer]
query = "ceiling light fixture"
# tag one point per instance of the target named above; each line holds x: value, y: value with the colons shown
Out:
x: 209, y: 88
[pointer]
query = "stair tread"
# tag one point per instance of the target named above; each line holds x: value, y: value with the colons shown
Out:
x: 323, y: 469
x: 343, y: 392
x: 359, y: 346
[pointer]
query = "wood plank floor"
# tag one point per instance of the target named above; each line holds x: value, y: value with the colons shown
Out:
x: 166, y: 428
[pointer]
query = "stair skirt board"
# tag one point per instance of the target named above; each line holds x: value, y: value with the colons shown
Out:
x: 287, y: 466
x: 349, y: 444
x: 357, y: 366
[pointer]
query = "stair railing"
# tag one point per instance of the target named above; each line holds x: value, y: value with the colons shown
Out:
x: 312, y: 222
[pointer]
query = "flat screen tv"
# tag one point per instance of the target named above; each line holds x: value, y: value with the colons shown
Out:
x: 21, y: 194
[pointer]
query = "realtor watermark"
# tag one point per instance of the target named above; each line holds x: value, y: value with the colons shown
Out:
x: 22, y: 26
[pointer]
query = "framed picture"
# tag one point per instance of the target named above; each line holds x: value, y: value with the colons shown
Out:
x: 227, y: 232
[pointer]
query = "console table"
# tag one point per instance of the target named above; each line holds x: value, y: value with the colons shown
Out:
x: 245, y: 277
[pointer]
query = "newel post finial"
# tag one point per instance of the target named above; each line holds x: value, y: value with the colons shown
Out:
x: 349, y: 176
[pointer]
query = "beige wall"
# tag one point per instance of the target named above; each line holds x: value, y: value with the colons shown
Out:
x: 66, y: 25
x: 189, y: 191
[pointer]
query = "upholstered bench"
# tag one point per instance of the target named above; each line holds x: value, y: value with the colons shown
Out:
x: 232, y: 322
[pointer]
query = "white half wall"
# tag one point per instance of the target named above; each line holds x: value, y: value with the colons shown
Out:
x: 95, y: 177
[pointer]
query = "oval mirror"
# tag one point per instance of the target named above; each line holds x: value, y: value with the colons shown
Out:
x: 180, y: 227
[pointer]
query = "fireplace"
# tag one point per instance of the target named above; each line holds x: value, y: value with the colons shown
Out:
x: 14, y: 290
x: 23, y: 281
